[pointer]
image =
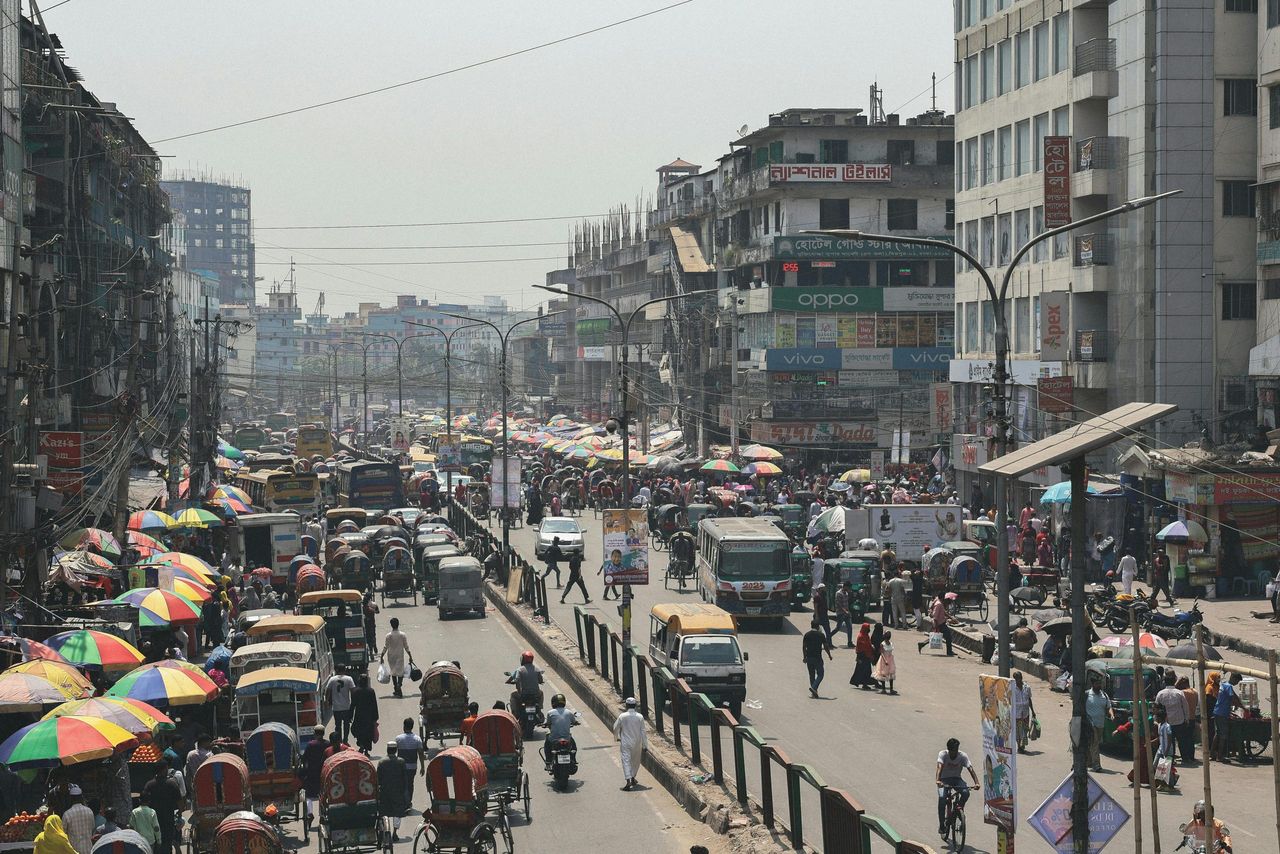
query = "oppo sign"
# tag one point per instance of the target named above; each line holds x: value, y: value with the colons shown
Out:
x: 827, y: 299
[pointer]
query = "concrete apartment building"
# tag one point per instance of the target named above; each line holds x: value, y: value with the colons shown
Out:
x: 1157, y: 304
x: 1264, y: 359
x: 218, y: 228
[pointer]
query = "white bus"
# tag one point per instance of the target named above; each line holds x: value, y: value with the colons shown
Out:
x: 744, y: 567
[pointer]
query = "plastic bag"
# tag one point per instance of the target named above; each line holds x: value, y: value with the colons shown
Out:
x: 1035, y: 729
x: 407, y: 670
x: 935, y: 640
x: 1164, y: 772
x: 384, y: 675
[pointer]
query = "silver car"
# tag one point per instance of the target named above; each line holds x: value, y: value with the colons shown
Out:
x: 566, y: 529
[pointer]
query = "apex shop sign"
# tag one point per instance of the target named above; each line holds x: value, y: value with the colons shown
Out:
x: 841, y: 299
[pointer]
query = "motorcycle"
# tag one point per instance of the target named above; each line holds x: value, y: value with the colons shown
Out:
x: 1179, y: 624
x: 561, y: 761
x: 527, y: 710
x: 1196, y: 843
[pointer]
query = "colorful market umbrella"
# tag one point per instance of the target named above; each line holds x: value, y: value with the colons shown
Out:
x: 158, y: 608
x: 228, y: 491
x: 67, y: 740
x: 761, y: 469
x: 1060, y: 493
x: 26, y: 692
x: 230, y: 452
x: 1146, y: 640
x: 581, y: 453
x: 104, y: 542
x: 196, y: 517
x: 183, y: 559
x: 63, y: 676
x: 134, y: 716
x: 720, y: 465
x: 80, y: 560
x: 829, y: 521
x: 151, y: 520
x: 164, y: 687
x: 12, y: 648
x: 137, y: 539
x: 90, y: 648
x: 856, y: 476
x: 759, y: 452
x: 188, y: 589
x: 611, y: 454
x: 233, y: 507
x: 1181, y: 532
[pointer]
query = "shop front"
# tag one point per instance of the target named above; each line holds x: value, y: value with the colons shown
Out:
x: 1240, y: 513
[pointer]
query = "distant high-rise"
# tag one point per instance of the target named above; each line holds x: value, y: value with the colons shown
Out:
x: 218, y: 224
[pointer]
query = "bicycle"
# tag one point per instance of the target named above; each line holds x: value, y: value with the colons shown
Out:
x: 953, y: 824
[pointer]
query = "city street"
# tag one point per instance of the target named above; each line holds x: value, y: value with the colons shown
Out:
x: 647, y: 820
x: 882, y: 748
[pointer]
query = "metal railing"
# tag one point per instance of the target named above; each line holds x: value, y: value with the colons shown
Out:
x: 1095, y: 55
x: 1092, y: 345
x: 1093, y: 250
x: 841, y: 824
x: 1100, y: 152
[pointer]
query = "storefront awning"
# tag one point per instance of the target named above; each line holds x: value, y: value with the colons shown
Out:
x: 688, y: 253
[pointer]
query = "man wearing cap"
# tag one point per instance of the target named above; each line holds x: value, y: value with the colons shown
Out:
x: 78, y: 821
x: 629, y: 730
x: 394, y: 779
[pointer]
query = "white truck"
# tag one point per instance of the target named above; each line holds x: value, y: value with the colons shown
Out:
x: 908, y: 529
x: 270, y: 540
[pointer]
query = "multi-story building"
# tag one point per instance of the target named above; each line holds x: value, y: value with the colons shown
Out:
x: 818, y: 343
x: 218, y: 224
x: 1264, y: 359
x: 280, y: 339
x: 1064, y: 110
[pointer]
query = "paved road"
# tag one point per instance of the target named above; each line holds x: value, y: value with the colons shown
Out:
x: 594, y: 814
x: 882, y: 748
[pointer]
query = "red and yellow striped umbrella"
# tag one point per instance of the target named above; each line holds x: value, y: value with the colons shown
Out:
x: 90, y: 648
x: 67, y: 740
x: 165, y: 686
x: 134, y: 716
x: 63, y: 676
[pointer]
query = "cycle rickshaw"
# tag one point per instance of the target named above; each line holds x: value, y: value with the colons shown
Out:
x: 965, y: 581
x: 680, y: 562
x: 665, y: 522
x: 244, y: 832
x: 458, y: 821
x: 397, y: 574
x: 443, y: 703
x: 695, y: 513
x: 496, y: 737
x: 350, y: 819
x: 356, y: 571
x: 219, y: 788
x: 311, y: 578
x: 271, y: 754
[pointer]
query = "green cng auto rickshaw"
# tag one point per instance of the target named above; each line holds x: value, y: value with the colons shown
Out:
x: 695, y: 513
x: 861, y: 569
x: 793, y: 521
x: 427, y: 567
x: 801, y: 577
x: 1117, y: 682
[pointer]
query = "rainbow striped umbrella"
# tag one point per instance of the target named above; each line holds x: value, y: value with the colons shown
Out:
x: 612, y: 454
x: 26, y: 692
x: 578, y: 453
x: 183, y: 559
x: 104, y: 542
x: 188, y: 589
x: 761, y: 469
x: 90, y: 648
x: 137, y: 539
x: 158, y: 607
x: 151, y: 520
x: 720, y: 465
x: 67, y: 740
x: 196, y: 517
x: 164, y: 687
x: 228, y: 491
x: 233, y: 507
x: 27, y: 650
x: 134, y: 716
x: 63, y: 676
x: 759, y: 453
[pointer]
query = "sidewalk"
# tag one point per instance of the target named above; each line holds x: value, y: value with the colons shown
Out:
x: 1230, y: 624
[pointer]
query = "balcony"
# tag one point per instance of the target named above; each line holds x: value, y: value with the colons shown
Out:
x: 1092, y: 256
x: 1092, y: 345
x: 1096, y: 167
x: 1094, y: 74
x: 1091, y: 375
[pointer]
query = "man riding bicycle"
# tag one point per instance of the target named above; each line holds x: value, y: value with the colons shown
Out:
x: 951, y: 763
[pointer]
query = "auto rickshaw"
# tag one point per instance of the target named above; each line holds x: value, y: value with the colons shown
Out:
x: 333, y: 518
x: 794, y: 521
x: 1117, y: 676
x: 695, y: 513
x: 461, y: 586
x: 861, y: 569
x: 343, y: 614
x: 356, y: 571
x: 397, y: 575
x: 286, y: 695
x: 801, y: 577
x: 427, y: 557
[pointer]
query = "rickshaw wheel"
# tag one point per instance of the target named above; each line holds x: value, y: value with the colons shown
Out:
x: 528, y: 801
x: 483, y: 840
x: 1252, y: 748
x: 504, y: 826
x: 982, y: 608
x: 302, y: 815
x: 425, y: 839
x: 658, y: 544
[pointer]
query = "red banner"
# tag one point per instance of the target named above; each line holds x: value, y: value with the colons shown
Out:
x: 1057, y: 181
x: 1057, y: 394
x: 65, y: 453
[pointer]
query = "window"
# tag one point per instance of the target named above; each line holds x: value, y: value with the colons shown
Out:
x: 1237, y: 198
x: 833, y: 213
x: 1271, y: 289
x: 988, y: 241
x: 902, y: 152
x: 971, y: 326
x: 1239, y: 97
x: 1021, y: 227
x: 1273, y: 13
x: 1022, y: 59
x: 1021, y: 324
x: 1004, y: 67
x: 833, y: 151
x: 902, y: 214
x: 959, y: 261
x: 1062, y: 121
x: 1240, y: 6
x: 765, y: 209
x: 1238, y: 300
x: 971, y: 238
x: 970, y: 163
x: 988, y: 326
x: 988, y: 74
x: 950, y: 214
x: 970, y: 81
x: 1061, y: 42
x: 1273, y: 106
x: 988, y: 157
x: 1004, y: 153
x: 944, y: 153
x: 1040, y: 129
x: 1004, y: 233
x: 1043, y: 61
x: 1039, y: 251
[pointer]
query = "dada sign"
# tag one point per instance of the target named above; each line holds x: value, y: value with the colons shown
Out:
x: 827, y: 299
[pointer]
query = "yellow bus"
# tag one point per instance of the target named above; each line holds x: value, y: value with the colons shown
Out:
x: 278, y: 491
x: 313, y: 441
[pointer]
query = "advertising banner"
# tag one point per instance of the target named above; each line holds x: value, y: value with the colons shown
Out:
x: 877, y: 465
x: 886, y: 331
x: 941, y: 407
x: 846, y: 332
x: 827, y: 299
x: 626, y: 547
x: 65, y: 453
x: 1056, y: 394
x: 921, y: 358
x: 449, y: 456
x: 802, y: 359
x: 506, y: 482
x: 806, y: 332
x: 919, y: 299
x: 784, y: 331
x: 907, y: 332
x: 824, y: 247
x: 401, y: 434
x: 1057, y: 181
x: 591, y: 354
x: 1055, y: 329
x: 866, y: 331
x: 844, y: 173
x: 927, y: 331
x: 1052, y: 819
x: 869, y: 379
x: 870, y: 359
x: 999, y: 751
x: 825, y: 331
x: 814, y: 432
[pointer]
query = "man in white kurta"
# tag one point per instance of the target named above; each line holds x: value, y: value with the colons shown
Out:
x: 395, y: 648
x: 629, y: 730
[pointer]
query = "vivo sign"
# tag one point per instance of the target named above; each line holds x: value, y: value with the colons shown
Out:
x: 803, y: 359
x: 921, y: 358
x: 794, y: 359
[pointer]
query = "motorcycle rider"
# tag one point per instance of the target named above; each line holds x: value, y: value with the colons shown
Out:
x: 560, y: 722
x: 1196, y: 831
x: 528, y: 682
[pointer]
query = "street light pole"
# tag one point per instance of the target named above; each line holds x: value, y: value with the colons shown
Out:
x: 627, y: 677
x: 999, y: 300
x: 448, y: 378
x: 503, y: 337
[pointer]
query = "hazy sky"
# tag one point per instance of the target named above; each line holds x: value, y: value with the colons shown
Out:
x: 568, y: 130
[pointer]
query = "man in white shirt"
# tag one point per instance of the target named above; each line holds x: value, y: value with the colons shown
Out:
x: 409, y: 748
x: 630, y: 732
x: 338, y: 690
x: 1174, y: 703
x: 1128, y: 571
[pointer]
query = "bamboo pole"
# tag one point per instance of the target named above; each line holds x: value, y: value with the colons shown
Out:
x: 1191, y: 664
x: 1206, y: 747
x: 1275, y: 739
x: 1135, y: 719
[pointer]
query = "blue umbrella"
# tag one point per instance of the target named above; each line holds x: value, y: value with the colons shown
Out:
x: 1060, y: 493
